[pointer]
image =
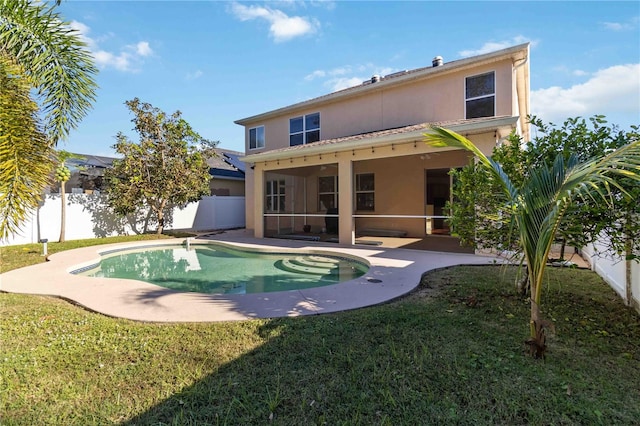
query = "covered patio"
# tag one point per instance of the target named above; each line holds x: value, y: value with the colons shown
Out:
x: 384, y: 188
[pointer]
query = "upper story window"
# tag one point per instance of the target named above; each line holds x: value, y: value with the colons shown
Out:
x: 480, y: 95
x: 256, y: 137
x: 304, y: 129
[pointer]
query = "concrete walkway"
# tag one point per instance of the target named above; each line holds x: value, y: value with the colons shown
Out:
x: 393, y: 272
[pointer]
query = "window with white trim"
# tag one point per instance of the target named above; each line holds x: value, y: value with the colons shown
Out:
x: 274, y: 196
x: 480, y: 95
x: 327, y: 192
x: 304, y: 129
x: 256, y: 137
x: 365, y: 192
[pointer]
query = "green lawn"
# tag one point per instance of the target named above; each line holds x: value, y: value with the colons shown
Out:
x: 452, y: 352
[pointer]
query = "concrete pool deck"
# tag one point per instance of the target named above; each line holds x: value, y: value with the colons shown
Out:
x: 393, y: 273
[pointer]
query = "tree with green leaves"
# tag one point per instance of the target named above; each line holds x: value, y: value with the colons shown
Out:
x: 539, y: 203
x: 618, y: 230
x: 477, y: 215
x: 46, y: 72
x: 166, y: 168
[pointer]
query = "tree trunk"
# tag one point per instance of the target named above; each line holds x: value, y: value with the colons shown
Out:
x: 145, y: 227
x: 523, y: 284
x: 63, y: 212
x: 160, y: 214
x: 131, y: 220
x: 628, y: 247
x: 562, y: 247
x: 538, y: 341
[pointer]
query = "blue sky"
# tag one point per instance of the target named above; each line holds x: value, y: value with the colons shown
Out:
x: 219, y: 61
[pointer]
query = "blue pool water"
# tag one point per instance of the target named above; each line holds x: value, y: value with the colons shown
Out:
x: 221, y: 270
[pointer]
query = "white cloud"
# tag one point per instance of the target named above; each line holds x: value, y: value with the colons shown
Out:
x: 347, y: 76
x: 82, y: 31
x: 143, y: 49
x: 282, y: 27
x: 327, y: 4
x: 121, y: 62
x: 340, y: 83
x: 330, y: 73
x: 315, y: 74
x: 565, y: 70
x: 492, y: 46
x: 194, y: 75
x: 128, y: 59
x: 622, y: 26
x: 611, y: 91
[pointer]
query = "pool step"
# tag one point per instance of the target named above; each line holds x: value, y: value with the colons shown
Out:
x: 292, y: 266
x: 317, y: 265
x: 316, y: 261
x: 322, y: 259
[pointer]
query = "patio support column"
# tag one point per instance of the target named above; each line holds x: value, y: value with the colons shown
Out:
x: 258, y: 202
x: 346, y: 228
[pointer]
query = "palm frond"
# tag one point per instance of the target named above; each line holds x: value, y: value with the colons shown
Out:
x: 439, y: 137
x: 26, y: 157
x: 55, y: 59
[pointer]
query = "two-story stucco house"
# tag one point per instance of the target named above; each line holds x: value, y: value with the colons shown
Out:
x: 354, y: 162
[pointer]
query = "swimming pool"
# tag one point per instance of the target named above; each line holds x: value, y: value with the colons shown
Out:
x: 216, y: 269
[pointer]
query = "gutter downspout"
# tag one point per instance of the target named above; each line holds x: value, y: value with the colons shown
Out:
x: 515, y: 71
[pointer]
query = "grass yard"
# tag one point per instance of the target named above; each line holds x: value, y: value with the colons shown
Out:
x: 452, y: 352
x: 13, y: 257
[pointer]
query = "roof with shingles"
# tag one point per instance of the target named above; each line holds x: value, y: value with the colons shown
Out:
x: 226, y: 160
x: 344, y: 142
x: 224, y: 164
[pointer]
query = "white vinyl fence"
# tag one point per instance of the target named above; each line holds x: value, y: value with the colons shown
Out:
x: 88, y: 216
x: 613, y: 269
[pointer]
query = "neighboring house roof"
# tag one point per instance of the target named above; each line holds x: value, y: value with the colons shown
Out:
x: 517, y: 53
x: 92, y: 161
x: 225, y: 165
x: 92, y: 165
x: 386, y: 137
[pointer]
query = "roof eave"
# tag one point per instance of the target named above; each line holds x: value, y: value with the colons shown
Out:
x: 467, y: 128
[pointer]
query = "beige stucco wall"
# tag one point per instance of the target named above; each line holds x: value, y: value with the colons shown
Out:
x: 399, y: 163
x: 400, y: 183
x: 400, y: 189
x: 234, y: 187
x: 438, y: 98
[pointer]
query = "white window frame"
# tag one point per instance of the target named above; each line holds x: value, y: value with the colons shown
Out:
x: 365, y: 191
x: 304, y: 130
x: 256, y: 129
x: 334, y: 193
x: 488, y: 95
x: 275, y: 190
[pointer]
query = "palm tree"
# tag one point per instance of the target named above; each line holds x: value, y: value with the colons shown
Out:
x: 38, y: 50
x: 26, y: 156
x: 62, y: 175
x: 541, y: 201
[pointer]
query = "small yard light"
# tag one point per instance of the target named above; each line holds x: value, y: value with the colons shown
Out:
x: 44, y: 242
x: 188, y: 242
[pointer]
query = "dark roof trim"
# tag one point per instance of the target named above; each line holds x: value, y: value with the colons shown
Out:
x: 224, y: 173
